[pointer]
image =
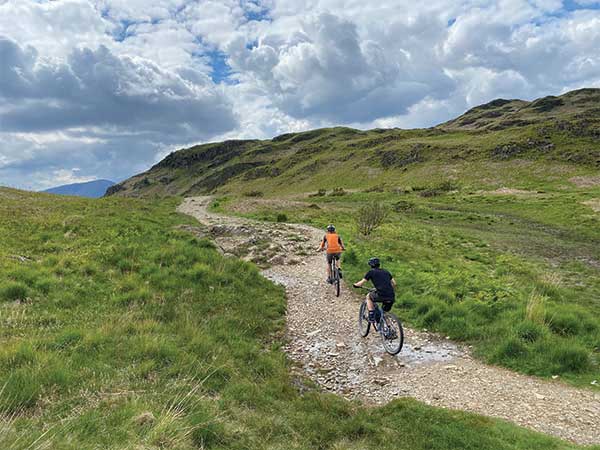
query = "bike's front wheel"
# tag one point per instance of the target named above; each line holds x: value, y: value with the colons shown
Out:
x: 363, y: 320
x: 392, y: 334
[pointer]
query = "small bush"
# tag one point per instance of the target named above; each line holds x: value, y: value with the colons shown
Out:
x: 319, y: 193
x: 370, y: 217
x: 13, y: 292
x: 337, y: 192
x: 281, y: 217
x: 254, y: 194
x: 376, y: 188
x: 447, y: 186
x: 403, y: 206
x: 439, y: 189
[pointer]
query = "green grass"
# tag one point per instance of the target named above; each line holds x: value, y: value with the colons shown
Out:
x: 118, y: 330
x: 468, y: 264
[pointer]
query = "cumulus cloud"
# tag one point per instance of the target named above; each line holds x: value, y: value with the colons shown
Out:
x: 106, y: 87
x: 96, y: 109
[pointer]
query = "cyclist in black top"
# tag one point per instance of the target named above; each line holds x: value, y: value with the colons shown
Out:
x: 384, y: 283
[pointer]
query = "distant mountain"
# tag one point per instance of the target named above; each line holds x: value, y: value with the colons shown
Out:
x: 92, y: 189
x: 550, y: 136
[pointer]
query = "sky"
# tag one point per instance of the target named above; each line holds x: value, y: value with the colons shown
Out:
x: 106, y: 88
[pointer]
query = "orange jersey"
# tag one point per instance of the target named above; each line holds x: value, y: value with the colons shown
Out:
x: 332, y: 242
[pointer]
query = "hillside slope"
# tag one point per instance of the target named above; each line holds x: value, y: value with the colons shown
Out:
x: 489, y: 144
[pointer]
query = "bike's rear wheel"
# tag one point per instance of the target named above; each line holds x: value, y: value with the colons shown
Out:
x: 392, y: 334
x: 337, y: 283
x: 363, y: 320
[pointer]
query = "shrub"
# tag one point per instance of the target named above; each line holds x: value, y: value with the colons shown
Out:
x: 403, y: 206
x: 440, y: 189
x: 376, y: 188
x: 337, y: 192
x: 370, y: 217
x: 319, y: 193
x: 281, y: 217
x: 447, y: 186
x: 254, y: 194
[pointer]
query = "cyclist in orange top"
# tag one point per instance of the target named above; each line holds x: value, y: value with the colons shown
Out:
x: 334, y: 246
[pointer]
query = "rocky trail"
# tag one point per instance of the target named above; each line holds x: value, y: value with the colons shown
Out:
x: 324, y: 342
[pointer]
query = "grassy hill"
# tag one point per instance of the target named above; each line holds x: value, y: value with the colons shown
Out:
x: 120, y: 329
x: 547, y: 141
x: 493, y: 225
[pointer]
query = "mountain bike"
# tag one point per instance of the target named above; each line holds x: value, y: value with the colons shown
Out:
x: 387, y: 325
x: 335, y: 276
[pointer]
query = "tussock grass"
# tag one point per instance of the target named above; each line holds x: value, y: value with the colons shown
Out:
x: 535, y: 310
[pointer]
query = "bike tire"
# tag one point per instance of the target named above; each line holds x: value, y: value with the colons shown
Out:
x: 363, y: 320
x: 392, y: 346
x: 337, y: 283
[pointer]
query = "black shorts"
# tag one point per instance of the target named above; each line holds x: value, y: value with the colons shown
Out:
x: 331, y: 256
x: 386, y: 302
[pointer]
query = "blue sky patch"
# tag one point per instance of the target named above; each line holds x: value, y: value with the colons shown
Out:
x: 220, y: 69
x: 572, y: 5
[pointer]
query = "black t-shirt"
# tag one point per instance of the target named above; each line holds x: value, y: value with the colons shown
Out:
x: 382, y: 280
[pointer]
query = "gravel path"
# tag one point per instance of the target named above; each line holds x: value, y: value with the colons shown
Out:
x: 323, y: 340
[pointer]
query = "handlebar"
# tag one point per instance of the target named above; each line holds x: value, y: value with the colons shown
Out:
x: 365, y: 288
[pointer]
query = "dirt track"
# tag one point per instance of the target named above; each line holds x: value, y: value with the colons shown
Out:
x: 323, y: 341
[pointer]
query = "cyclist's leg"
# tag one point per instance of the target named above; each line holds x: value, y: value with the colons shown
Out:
x: 328, y: 259
x: 370, y: 304
x: 338, y: 260
x: 371, y: 299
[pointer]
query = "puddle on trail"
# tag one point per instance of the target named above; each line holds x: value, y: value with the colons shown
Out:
x: 411, y: 354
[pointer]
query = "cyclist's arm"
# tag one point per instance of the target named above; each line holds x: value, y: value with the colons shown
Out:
x: 341, y: 243
x: 360, y: 283
x: 323, y: 242
x: 393, y: 283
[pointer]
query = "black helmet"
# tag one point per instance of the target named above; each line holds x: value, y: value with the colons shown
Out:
x: 374, y: 262
x: 330, y: 228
